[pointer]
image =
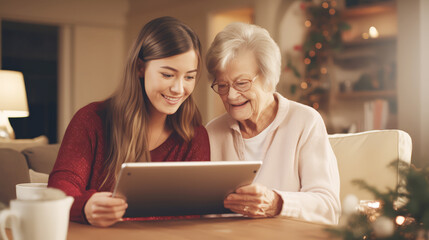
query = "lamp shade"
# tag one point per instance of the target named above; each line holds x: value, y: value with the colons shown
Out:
x: 13, y: 98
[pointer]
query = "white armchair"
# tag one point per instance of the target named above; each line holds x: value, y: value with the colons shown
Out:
x: 366, y: 156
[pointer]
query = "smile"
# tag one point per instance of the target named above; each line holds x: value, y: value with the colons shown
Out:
x: 171, y: 100
x: 239, y: 105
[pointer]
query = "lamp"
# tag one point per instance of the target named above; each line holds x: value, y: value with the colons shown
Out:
x: 13, y: 101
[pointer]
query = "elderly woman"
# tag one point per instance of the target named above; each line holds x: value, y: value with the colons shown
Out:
x: 299, y: 175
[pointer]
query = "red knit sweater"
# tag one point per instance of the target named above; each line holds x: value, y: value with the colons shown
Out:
x: 78, y: 168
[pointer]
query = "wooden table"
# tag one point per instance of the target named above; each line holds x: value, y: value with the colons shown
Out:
x: 204, y: 228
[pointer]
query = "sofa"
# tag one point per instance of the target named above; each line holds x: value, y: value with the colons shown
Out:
x: 366, y: 156
x: 363, y: 155
x: 26, y: 160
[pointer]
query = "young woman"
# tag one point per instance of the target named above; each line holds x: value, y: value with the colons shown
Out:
x: 151, y: 117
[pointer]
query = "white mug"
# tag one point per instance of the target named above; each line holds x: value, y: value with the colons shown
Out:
x: 43, y: 219
x: 30, y: 191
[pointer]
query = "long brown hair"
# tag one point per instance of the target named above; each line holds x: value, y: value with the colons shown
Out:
x: 127, y: 113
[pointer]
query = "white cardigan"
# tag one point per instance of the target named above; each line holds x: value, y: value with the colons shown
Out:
x: 299, y: 163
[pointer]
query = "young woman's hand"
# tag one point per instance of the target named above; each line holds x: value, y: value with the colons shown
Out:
x: 254, y: 201
x: 103, y: 210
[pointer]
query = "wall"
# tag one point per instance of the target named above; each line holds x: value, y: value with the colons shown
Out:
x: 413, y: 87
x: 424, y: 80
x: 91, y: 46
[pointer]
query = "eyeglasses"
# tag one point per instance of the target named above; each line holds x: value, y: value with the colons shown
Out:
x: 241, y: 85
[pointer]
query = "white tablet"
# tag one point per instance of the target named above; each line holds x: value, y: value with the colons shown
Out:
x: 181, y: 188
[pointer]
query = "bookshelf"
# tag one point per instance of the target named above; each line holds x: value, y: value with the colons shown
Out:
x: 365, y: 68
x: 367, y: 95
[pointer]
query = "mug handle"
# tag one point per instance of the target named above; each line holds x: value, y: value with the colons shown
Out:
x: 4, y: 215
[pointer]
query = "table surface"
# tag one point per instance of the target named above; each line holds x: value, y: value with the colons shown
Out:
x: 202, y: 228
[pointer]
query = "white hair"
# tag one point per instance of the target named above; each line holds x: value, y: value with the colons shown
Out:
x: 241, y: 36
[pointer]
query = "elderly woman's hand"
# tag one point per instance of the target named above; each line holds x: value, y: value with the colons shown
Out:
x: 103, y: 210
x: 254, y: 201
